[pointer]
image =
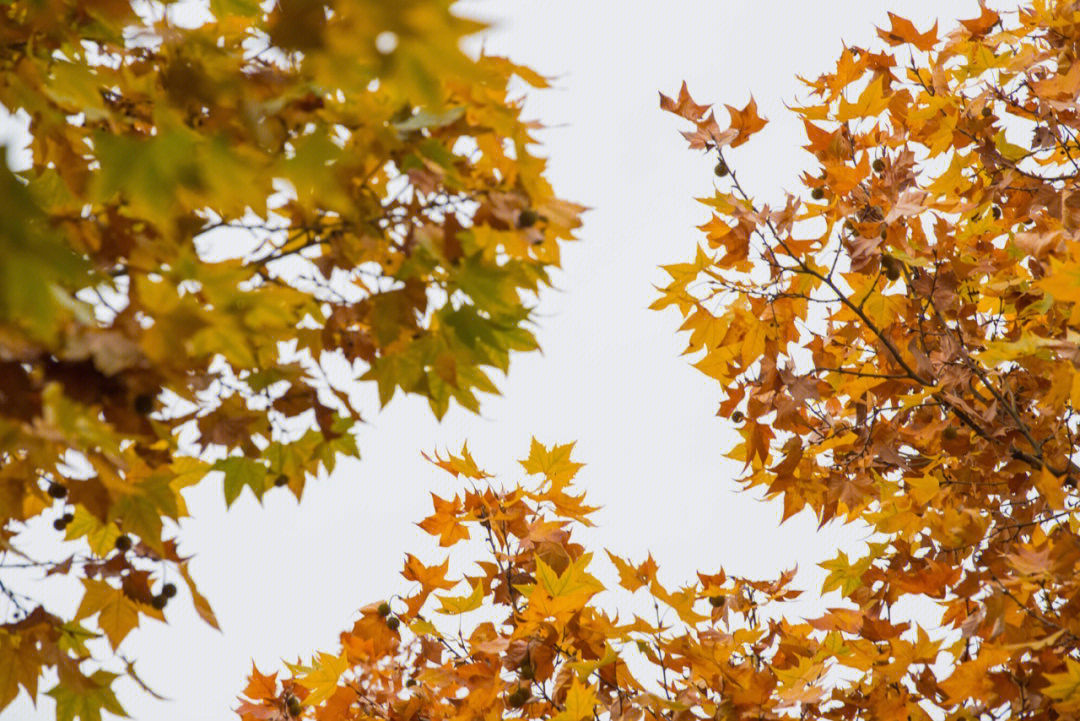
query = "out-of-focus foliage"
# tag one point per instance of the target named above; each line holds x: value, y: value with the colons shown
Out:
x: 234, y: 211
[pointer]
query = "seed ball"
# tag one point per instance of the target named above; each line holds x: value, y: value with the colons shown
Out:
x: 817, y: 193
x: 144, y: 404
x: 384, y: 609
x: 123, y: 543
x: 159, y: 601
x: 721, y: 169
x: 69, y: 517
x: 519, y: 697
x: 168, y: 590
x: 393, y: 622
x: 281, y: 480
x: 527, y: 218
x: 57, y: 491
x: 878, y: 165
x: 59, y: 524
x: 716, y: 601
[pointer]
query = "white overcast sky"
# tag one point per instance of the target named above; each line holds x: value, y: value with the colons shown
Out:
x: 286, y: 578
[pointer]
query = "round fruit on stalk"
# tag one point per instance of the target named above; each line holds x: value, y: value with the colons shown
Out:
x: 144, y: 404
x: 527, y: 218
x: 519, y: 697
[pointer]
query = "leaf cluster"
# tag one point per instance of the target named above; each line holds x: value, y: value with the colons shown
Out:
x: 230, y: 215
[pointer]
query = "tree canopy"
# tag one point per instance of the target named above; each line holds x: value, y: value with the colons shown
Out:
x: 233, y: 213
x: 896, y: 343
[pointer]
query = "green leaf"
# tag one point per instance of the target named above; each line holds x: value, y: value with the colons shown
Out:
x: 87, y: 704
x: 240, y: 472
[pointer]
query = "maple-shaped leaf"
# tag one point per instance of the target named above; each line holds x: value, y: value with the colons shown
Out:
x: 456, y: 605
x: 1064, y: 687
x: 685, y: 106
x: 321, y: 678
x: 580, y: 702
x: 903, y: 31
x: 446, y: 523
x: 553, y: 463
x: 981, y: 25
x: 261, y: 686
x: 629, y: 577
x: 86, y: 704
x: 870, y: 103
x: 573, y: 582
x: 745, y: 122
x: 459, y: 465
x: 117, y: 614
x: 430, y: 577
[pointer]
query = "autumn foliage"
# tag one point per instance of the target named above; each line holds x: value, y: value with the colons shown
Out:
x: 231, y: 215
x: 897, y: 345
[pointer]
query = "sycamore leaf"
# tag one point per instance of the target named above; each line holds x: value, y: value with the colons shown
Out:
x: 745, y: 122
x: 685, y: 106
x: 117, y: 614
x: 903, y: 31
x: 1064, y: 687
x: 321, y: 678
x: 456, y: 605
x: 579, y: 704
x: 553, y: 463
x: 87, y: 704
x: 574, y: 582
x: 241, y: 473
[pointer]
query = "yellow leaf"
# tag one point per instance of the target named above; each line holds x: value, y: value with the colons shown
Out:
x: 117, y: 614
x: 321, y: 679
x: 555, y: 464
x: 871, y: 102
x: 1064, y: 687
x: 579, y: 704
x: 1050, y: 486
x: 456, y: 605
x: 923, y: 488
x: 573, y: 581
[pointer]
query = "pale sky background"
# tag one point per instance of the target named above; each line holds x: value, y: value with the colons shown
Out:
x: 286, y: 578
